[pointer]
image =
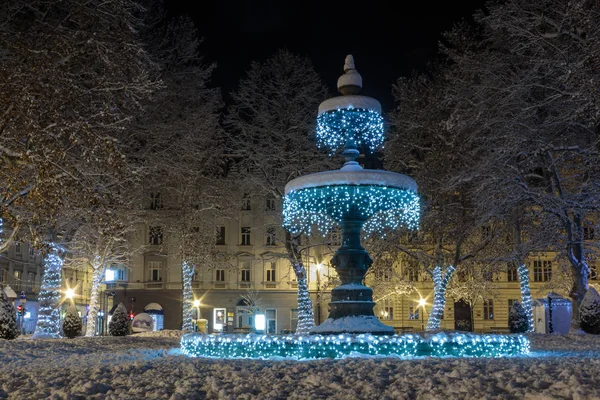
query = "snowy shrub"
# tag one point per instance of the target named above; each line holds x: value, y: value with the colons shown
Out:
x: 119, y: 323
x: 589, y: 312
x: 517, y: 319
x: 8, y: 318
x: 72, y: 323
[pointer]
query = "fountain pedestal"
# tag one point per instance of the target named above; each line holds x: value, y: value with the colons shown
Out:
x: 351, y: 306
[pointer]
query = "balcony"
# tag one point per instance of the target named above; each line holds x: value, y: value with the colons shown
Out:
x: 196, y: 285
x: 245, y: 285
x: 154, y: 285
x: 220, y: 285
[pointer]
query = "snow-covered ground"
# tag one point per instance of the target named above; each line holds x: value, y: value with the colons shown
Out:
x: 150, y: 366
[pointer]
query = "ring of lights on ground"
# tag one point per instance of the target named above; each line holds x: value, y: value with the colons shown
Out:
x: 440, y: 344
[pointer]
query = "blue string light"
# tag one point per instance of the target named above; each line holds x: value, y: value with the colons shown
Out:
x: 439, y: 296
x: 48, y: 322
x: 362, y: 125
x: 526, y: 295
x: 339, y: 346
x: 382, y: 207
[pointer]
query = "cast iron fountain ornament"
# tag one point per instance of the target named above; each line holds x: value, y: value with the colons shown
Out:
x: 352, y: 198
x: 355, y: 199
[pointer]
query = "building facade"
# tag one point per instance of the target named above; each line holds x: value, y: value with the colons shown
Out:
x: 21, y: 269
x: 258, y: 282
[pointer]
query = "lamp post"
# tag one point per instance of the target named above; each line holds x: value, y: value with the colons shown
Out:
x: 23, y: 301
x: 197, y: 305
x: 318, y: 267
x: 422, y: 303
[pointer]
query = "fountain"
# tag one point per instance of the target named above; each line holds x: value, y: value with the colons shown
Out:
x: 351, y: 197
x: 357, y: 200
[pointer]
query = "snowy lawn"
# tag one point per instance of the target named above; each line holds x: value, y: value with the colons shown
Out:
x: 146, y: 366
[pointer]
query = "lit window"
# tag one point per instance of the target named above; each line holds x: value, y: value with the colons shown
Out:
x: 109, y: 276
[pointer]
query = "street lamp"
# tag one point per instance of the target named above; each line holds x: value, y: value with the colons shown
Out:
x: 23, y: 301
x: 422, y: 303
x: 197, y: 305
x: 318, y: 268
x: 70, y: 294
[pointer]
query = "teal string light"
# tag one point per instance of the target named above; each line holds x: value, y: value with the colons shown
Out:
x: 339, y: 346
x: 440, y: 284
x: 526, y: 294
x: 187, y: 273
x: 363, y: 126
x: 382, y: 207
x: 48, y: 322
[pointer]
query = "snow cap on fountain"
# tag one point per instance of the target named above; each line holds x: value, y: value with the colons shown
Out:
x: 350, y: 84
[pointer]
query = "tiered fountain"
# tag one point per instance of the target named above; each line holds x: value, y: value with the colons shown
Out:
x: 355, y: 199
x: 351, y: 197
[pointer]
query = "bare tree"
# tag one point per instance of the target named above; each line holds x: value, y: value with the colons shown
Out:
x: 421, y: 145
x: 72, y: 76
x: 181, y: 149
x: 530, y: 118
x: 271, y: 134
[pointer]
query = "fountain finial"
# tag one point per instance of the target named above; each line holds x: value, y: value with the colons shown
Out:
x: 351, y: 82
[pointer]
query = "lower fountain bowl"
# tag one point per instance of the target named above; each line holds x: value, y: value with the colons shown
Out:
x: 310, y: 347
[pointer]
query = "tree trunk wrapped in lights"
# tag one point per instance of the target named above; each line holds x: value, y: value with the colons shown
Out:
x: 92, y: 319
x: 440, y: 283
x: 526, y: 295
x: 306, y: 319
x: 187, y: 273
x: 48, y: 323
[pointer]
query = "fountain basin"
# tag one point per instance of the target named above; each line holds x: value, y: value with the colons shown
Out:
x: 439, y: 344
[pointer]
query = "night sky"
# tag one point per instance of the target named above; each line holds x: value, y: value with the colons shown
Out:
x: 388, y: 39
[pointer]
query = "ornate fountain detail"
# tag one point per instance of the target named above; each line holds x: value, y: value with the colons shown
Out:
x: 352, y: 198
